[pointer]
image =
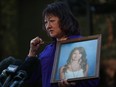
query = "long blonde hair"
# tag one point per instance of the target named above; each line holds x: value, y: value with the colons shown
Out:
x: 82, y: 61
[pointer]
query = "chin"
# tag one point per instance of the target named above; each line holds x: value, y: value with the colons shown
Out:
x: 53, y: 36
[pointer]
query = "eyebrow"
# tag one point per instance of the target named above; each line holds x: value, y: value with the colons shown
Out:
x: 47, y: 18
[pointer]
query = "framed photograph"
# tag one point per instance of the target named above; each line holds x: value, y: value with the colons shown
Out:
x: 77, y: 59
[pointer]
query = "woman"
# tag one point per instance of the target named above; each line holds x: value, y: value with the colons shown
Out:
x: 76, y: 64
x: 60, y: 24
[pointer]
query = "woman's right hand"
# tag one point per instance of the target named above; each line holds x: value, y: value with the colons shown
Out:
x: 34, y: 46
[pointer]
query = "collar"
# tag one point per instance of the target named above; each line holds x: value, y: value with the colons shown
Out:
x: 69, y: 37
x: 74, y: 36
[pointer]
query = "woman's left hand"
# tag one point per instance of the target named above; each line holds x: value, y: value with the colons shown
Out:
x: 65, y: 83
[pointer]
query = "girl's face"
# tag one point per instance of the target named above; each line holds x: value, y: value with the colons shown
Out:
x: 52, y: 26
x: 76, y: 55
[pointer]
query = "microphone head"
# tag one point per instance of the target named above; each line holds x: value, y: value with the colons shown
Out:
x: 3, y: 74
x: 21, y: 75
x: 9, y: 66
x: 18, y: 79
x: 7, y: 61
x: 11, y: 69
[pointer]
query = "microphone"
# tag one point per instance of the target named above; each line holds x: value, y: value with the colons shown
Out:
x: 10, y: 71
x: 8, y: 68
x: 24, y: 73
x: 3, y: 74
x: 7, y: 61
x: 6, y: 72
x: 2, y: 77
x: 19, y: 78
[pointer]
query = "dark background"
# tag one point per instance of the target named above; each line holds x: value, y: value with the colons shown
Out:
x: 21, y: 21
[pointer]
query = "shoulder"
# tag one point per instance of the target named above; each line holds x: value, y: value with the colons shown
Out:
x: 52, y: 44
x: 62, y: 68
x: 87, y: 66
x: 75, y: 36
x: 48, y: 48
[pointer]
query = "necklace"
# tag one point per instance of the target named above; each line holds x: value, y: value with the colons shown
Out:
x: 72, y: 71
x: 75, y: 68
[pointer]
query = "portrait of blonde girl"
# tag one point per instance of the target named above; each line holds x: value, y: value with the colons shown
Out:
x: 76, y: 65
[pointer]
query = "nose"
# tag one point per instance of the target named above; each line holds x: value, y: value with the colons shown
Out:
x: 76, y: 55
x: 48, y: 25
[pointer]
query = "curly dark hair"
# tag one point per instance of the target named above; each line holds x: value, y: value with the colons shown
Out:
x: 68, y: 23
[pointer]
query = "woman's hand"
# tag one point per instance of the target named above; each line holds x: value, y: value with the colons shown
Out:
x: 34, y: 46
x: 65, y: 83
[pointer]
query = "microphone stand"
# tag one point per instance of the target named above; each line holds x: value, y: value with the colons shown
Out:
x: 0, y: 84
x: 7, y: 81
x: 17, y: 83
x: 18, y: 79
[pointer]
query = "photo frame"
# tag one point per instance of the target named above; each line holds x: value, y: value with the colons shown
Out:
x: 77, y: 59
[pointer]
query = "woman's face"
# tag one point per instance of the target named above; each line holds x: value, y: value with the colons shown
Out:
x: 76, y: 55
x: 52, y: 26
